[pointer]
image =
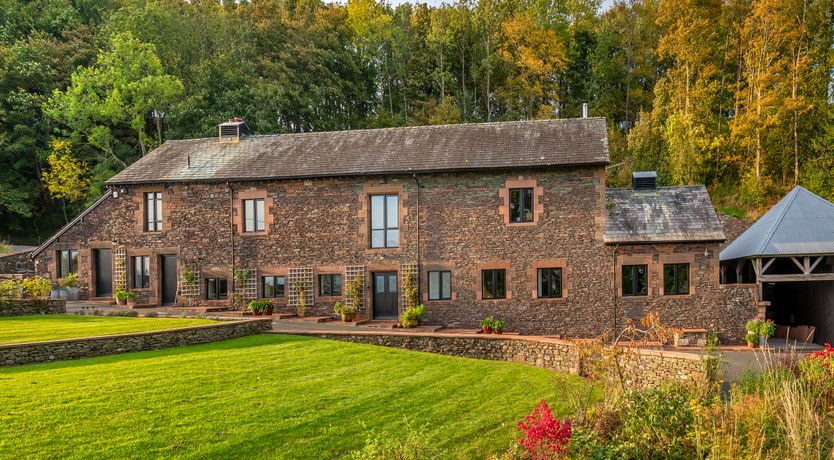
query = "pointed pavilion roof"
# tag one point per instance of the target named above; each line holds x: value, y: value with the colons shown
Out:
x: 801, y: 223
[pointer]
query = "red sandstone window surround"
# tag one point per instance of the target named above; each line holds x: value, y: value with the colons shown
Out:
x: 253, y: 212
x: 521, y: 202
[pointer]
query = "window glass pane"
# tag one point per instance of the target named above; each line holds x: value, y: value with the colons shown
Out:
x: 149, y: 213
x: 393, y: 212
x: 73, y: 261
x: 544, y: 283
x: 259, y: 214
x: 556, y: 282
x: 269, y: 286
x: 63, y: 270
x: 434, y: 285
x: 515, y: 205
x: 249, y: 215
x: 628, y: 280
x: 527, y: 204
x: 500, y: 284
x: 378, y: 238
x: 279, y: 286
x: 337, y: 285
x: 324, y: 285
x: 446, y: 285
x: 642, y: 279
x: 222, y: 288
x: 487, y: 291
x: 669, y: 279
x: 683, y: 279
x: 158, y: 211
x: 211, y: 288
x: 377, y: 212
x: 379, y: 284
x: 393, y: 239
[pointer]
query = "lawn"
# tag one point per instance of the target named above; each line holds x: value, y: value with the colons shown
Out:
x: 19, y: 329
x: 265, y: 396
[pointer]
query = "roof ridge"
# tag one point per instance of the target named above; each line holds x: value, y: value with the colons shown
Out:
x: 776, y: 223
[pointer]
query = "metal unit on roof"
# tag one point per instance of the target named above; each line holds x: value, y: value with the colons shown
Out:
x: 664, y: 214
x: 369, y: 152
x: 644, y: 180
x: 800, y: 224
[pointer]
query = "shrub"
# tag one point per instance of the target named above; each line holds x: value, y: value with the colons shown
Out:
x: 10, y: 289
x: 544, y: 437
x: 339, y: 308
x: 413, y: 444
x: 70, y: 281
x: 412, y: 314
x: 151, y: 314
x: 301, y: 296
x: 259, y: 306
x: 818, y: 369
x: 767, y: 328
x: 657, y: 423
x: 36, y: 287
x: 131, y: 313
x: 121, y: 294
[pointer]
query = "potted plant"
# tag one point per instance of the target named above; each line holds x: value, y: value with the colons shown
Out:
x: 259, y: 307
x: 69, y: 287
x: 498, y: 326
x: 130, y: 298
x: 346, y: 312
x: 121, y: 296
x: 486, y: 324
x: 751, y: 338
x: 766, y: 330
x: 412, y: 316
x: 753, y: 326
x: 56, y: 291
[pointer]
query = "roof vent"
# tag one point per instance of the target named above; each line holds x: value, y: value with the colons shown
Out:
x: 233, y: 130
x: 644, y: 180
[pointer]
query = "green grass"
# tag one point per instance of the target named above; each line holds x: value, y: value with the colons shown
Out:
x: 19, y: 329
x: 265, y: 396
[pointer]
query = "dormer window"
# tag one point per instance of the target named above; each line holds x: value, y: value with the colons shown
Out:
x: 153, y: 212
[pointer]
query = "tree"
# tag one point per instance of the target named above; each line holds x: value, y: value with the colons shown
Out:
x: 67, y: 177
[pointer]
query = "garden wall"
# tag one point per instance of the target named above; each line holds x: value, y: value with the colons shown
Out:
x: 640, y: 367
x: 21, y: 307
x: 88, y: 347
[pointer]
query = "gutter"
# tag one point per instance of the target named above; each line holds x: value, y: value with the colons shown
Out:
x: 71, y: 223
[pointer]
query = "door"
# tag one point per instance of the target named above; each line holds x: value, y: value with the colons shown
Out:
x: 104, y: 272
x: 385, y: 295
x: 169, y: 280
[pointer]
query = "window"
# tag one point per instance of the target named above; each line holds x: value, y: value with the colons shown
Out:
x: 153, y: 212
x: 141, y: 272
x: 274, y: 286
x: 330, y: 285
x: 676, y: 279
x: 494, y: 284
x: 550, y: 283
x: 216, y: 289
x: 635, y: 279
x: 385, y: 232
x: 67, y: 262
x: 253, y: 215
x: 440, y: 285
x: 521, y: 205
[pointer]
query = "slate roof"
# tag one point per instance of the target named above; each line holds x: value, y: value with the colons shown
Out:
x: 665, y: 214
x: 460, y: 147
x: 801, y: 223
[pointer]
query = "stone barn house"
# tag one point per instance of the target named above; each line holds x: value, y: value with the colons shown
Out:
x: 510, y: 219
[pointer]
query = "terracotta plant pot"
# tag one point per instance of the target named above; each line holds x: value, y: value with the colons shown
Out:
x: 347, y: 317
x: 486, y: 330
x: 270, y: 311
x: 498, y: 331
x: 121, y: 301
x: 751, y: 345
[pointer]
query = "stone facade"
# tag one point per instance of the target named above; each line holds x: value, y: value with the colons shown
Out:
x: 23, y: 307
x: 17, y: 262
x: 457, y: 220
x: 89, y: 347
x: 641, y: 367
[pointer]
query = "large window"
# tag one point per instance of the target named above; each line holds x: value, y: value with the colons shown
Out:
x: 676, y: 279
x: 385, y: 231
x: 330, y: 285
x: 549, y: 283
x: 521, y: 205
x: 153, y: 212
x: 274, y: 286
x: 440, y: 285
x: 253, y: 215
x: 67, y: 262
x: 494, y: 284
x: 635, y: 280
x: 141, y: 272
x: 217, y: 289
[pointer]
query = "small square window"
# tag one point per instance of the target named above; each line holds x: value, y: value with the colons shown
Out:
x: 676, y: 279
x: 494, y: 284
x: 141, y: 272
x: 440, y: 285
x: 216, y: 289
x: 274, y: 286
x: 521, y: 205
x: 330, y: 285
x: 635, y: 280
x: 549, y: 283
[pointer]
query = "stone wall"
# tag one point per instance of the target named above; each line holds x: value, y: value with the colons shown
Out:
x: 641, y: 367
x: 55, y: 350
x: 21, y: 307
x: 18, y: 262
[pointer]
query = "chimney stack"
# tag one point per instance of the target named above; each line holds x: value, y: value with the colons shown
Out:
x: 584, y: 110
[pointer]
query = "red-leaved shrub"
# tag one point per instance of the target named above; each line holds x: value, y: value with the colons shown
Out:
x: 544, y: 437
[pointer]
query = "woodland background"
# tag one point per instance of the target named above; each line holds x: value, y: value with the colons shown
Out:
x: 735, y: 94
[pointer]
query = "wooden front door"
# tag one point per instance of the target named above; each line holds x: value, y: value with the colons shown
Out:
x: 385, y: 295
x: 169, y: 280
x: 104, y: 272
